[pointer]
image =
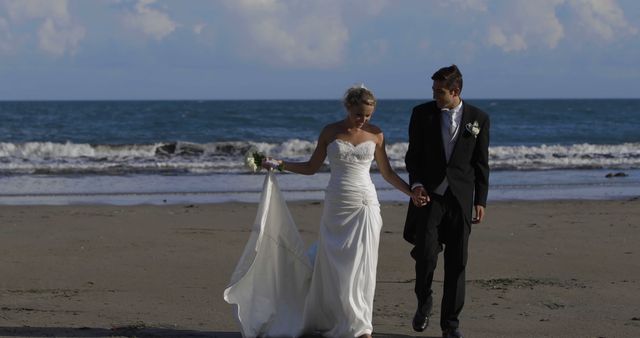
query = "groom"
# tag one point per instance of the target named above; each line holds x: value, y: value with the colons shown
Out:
x: 448, y: 170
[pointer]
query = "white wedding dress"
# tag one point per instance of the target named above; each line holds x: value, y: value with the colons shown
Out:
x: 281, y: 290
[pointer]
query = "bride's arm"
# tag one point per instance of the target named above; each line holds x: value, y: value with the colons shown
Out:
x: 315, y: 162
x: 382, y: 160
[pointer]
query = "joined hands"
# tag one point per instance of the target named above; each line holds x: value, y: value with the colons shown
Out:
x: 271, y: 164
x: 419, y: 196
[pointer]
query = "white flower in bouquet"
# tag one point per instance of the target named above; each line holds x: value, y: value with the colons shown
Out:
x: 253, y: 159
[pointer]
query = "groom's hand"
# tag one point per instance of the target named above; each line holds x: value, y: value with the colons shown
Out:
x: 419, y: 196
x: 479, y: 214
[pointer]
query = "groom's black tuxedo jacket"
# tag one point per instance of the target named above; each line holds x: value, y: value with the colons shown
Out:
x: 467, y: 170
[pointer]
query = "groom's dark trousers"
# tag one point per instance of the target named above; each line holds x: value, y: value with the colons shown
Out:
x: 444, y: 226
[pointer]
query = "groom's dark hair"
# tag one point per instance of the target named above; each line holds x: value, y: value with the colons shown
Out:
x: 450, y: 75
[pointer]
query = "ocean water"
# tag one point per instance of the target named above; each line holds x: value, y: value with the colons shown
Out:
x: 128, y: 152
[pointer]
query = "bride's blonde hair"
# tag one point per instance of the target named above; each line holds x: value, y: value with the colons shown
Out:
x: 357, y: 95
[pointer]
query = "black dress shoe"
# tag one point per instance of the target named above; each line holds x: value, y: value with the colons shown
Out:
x: 420, y: 320
x: 452, y: 333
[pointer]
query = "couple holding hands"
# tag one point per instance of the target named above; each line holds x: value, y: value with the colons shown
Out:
x: 447, y: 162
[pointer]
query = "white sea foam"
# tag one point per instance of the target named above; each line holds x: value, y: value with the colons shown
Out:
x: 227, y: 157
x: 70, y: 150
x: 575, y: 156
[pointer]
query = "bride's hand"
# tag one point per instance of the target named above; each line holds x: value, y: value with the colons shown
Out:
x: 265, y: 163
x: 270, y: 163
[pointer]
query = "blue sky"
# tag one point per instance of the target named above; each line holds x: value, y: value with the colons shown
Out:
x: 307, y: 49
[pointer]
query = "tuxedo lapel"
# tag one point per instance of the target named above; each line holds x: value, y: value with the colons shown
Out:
x: 437, y: 134
x: 462, y: 131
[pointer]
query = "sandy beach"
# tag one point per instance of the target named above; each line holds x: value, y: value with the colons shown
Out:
x: 536, y: 269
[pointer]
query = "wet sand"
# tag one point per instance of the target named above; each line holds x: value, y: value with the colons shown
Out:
x: 536, y: 269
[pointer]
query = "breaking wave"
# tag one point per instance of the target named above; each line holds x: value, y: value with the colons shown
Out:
x: 228, y: 157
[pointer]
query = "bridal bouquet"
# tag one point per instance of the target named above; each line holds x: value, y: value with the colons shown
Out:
x: 253, y: 160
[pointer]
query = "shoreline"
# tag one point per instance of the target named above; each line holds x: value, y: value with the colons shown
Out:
x: 182, y: 199
x: 562, y: 268
x: 223, y: 188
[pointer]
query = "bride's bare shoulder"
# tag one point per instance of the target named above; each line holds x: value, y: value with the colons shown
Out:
x: 376, y: 133
x: 332, y: 129
x: 373, y: 129
x: 329, y: 132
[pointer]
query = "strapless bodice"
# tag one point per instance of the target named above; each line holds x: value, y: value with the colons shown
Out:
x: 350, y: 165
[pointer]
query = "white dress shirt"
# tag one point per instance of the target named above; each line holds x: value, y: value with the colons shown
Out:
x: 450, y: 123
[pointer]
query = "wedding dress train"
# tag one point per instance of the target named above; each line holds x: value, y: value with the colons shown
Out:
x: 280, y: 290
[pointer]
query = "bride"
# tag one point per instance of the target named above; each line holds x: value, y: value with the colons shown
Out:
x: 277, y: 289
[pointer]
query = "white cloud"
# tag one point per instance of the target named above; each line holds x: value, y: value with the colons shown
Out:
x: 37, y: 9
x: 367, y: 8
x: 523, y: 24
x: 476, y: 5
x: 527, y: 24
x: 150, y: 21
x: 374, y: 52
x: 57, y: 39
x: 198, y: 28
x: 603, y: 19
x: 58, y: 34
x: 303, y: 33
x: 512, y: 42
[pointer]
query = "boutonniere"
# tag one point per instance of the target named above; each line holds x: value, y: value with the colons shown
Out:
x: 473, y: 128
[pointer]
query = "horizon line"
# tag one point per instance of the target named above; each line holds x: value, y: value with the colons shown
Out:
x: 305, y: 99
